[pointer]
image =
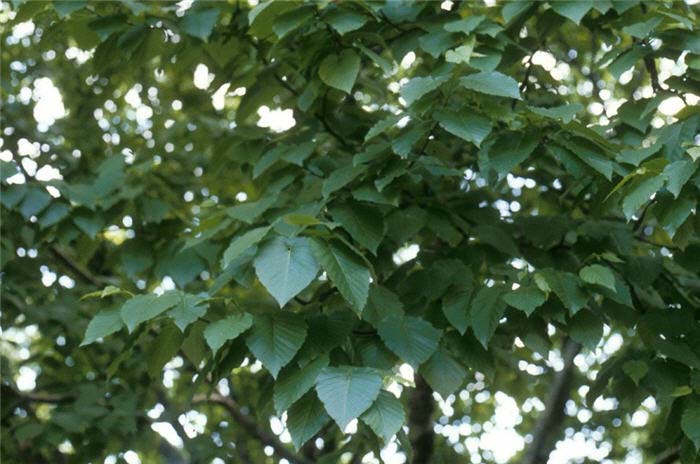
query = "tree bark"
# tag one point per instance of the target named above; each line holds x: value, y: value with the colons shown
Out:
x: 420, y: 422
x: 547, y: 428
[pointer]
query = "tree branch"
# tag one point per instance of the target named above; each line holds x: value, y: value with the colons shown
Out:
x: 250, y: 426
x: 650, y: 64
x: 420, y: 423
x: 669, y: 456
x: 79, y: 269
x: 549, y: 422
x: 31, y: 397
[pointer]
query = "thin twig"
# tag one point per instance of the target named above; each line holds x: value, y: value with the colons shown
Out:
x: 669, y: 456
x: 250, y: 426
x: 63, y: 256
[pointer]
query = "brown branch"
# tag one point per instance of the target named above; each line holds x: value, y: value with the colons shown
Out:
x: 82, y: 272
x: 320, y: 117
x: 549, y: 422
x: 650, y: 64
x: 35, y: 397
x: 250, y: 426
x: 420, y: 422
x: 669, y: 456
x: 526, y: 78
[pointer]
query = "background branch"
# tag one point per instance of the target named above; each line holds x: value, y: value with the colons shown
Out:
x: 549, y: 423
x: 420, y: 422
x: 251, y: 426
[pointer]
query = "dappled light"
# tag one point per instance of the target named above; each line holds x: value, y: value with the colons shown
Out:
x: 353, y: 232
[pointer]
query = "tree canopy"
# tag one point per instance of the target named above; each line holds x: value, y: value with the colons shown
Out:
x: 350, y: 231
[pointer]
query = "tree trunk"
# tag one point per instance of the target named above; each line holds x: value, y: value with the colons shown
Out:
x: 420, y: 422
x: 547, y: 428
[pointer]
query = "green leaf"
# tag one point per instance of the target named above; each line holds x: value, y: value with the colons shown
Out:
x: 385, y: 65
x: 291, y: 20
x: 678, y: 174
x: 187, y: 310
x: 412, y: 339
x: 486, y: 311
x: 104, y: 323
x: 109, y: 290
x: 219, y: 332
x: 467, y: 126
x: 683, y: 390
x: 417, y: 87
x: 636, y: 370
x: 625, y: 61
x: 163, y: 349
x: 455, y: 305
x: 268, y: 159
x: 641, y: 30
x: 340, y: 71
x: 492, y: 83
x: 347, y: 392
x: 305, y: 418
x: 297, y: 154
x: 673, y: 217
x: 564, y: 112
x: 363, y: 222
x: 381, y: 303
x: 346, y: 270
x: 461, y: 54
x: 275, y: 339
x: 263, y: 17
x: 200, y: 23
x: 242, y: 243
x: 511, y: 149
x: 443, y: 373
x: 526, y: 298
x: 690, y: 422
x: 382, y: 126
x: 566, y: 286
x: 436, y: 42
x: 344, y: 21
x: 142, y: 308
x: 66, y: 7
x: 591, y: 155
x: 598, y: 275
x: 466, y: 25
x: 386, y: 416
x: 637, y: 155
x: 574, y: 10
x: 641, y: 194
x: 34, y: 202
x: 340, y: 178
x: 586, y: 328
x: 54, y: 214
x: 286, y: 266
x: 248, y: 212
x: 294, y: 383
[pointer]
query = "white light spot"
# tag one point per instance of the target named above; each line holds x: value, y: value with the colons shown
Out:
x: 22, y: 30
x: 167, y: 431
x: 47, y: 173
x: 49, y: 103
x: 408, y: 59
x: 202, y: 78
x: 544, y: 59
x: 671, y: 106
x: 277, y: 120
x: 26, y: 381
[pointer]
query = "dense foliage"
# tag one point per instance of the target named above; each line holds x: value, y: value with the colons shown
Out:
x: 471, y: 226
